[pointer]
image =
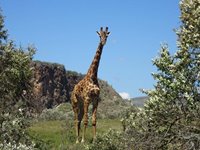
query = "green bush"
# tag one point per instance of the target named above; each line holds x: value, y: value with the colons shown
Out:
x: 112, y: 140
x: 52, y: 114
x: 15, y: 92
x: 61, y: 112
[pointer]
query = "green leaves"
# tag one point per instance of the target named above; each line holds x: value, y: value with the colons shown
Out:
x: 189, y: 34
x: 3, y: 32
x: 15, y: 75
x: 175, y: 96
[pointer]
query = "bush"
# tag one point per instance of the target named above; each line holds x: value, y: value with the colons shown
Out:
x: 15, y: 92
x: 112, y: 140
x: 16, y: 146
x: 52, y: 114
x: 61, y: 112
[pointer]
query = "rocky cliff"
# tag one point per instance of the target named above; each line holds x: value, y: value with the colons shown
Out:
x: 49, y: 84
x: 53, y: 85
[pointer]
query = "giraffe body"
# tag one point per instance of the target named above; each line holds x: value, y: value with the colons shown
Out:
x: 87, y: 91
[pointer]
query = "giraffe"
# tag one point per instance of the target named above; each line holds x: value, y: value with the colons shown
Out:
x: 87, y: 91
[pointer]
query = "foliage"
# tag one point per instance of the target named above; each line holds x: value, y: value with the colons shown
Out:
x: 134, y: 128
x: 112, y: 140
x: 174, y: 106
x: 15, y: 89
x: 61, y: 112
x: 3, y: 31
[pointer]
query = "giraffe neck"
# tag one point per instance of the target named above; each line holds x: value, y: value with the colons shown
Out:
x: 93, y: 70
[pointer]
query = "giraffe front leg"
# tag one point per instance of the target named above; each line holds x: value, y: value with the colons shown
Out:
x: 86, y: 104
x: 94, y: 119
x: 76, y: 123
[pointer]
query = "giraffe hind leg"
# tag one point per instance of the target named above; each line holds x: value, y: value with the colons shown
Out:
x: 86, y: 104
x: 94, y: 113
x: 80, y: 117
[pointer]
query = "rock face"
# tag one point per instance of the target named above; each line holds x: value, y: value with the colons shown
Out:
x: 72, y: 79
x: 52, y: 85
x: 49, y: 84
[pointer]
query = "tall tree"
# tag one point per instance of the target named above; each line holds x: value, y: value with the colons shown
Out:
x: 3, y: 32
x: 15, y: 75
x: 174, y: 106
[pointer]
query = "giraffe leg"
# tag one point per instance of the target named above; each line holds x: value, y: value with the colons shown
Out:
x: 80, y: 117
x: 76, y: 121
x: 80, y: 114
x: 86, y: 104
x: 94, y: 113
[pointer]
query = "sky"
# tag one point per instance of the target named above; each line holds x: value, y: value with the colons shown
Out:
x: 64, y: 32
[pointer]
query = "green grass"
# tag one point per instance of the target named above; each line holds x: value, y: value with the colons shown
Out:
x: 61, y: 134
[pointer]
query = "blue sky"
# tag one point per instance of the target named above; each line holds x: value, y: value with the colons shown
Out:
x: 64, y: 32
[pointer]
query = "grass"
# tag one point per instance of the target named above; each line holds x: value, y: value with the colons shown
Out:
x: 60, y: 135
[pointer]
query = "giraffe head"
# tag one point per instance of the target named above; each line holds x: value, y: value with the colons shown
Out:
x: 103, y: 35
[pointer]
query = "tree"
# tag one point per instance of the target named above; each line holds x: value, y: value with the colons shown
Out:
x: 15, y: 89
x: 174, y: 106
x: 3, y: 32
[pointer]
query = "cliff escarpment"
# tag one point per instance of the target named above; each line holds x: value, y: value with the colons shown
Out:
x: 49, y: 84
x: 52, y: 85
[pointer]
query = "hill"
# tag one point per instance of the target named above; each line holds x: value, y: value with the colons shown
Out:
x: 139, y: 101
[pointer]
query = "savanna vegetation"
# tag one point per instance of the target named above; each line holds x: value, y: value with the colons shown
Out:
x: 170, y: 119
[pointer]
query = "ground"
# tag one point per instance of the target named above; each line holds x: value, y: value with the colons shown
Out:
x: 61, y: 134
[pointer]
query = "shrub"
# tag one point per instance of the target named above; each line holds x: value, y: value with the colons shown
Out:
x: 61, y: 112
x: 112, y: 140
x: 15, y: 92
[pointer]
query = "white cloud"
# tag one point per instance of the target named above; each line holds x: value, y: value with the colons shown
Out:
x: 125, y: 95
